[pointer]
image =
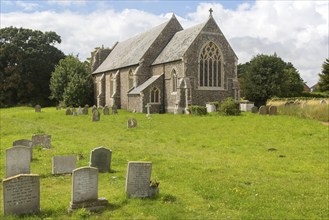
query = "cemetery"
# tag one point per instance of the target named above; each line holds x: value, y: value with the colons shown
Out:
x: 92, y: 164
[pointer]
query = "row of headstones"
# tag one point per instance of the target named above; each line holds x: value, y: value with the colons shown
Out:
x: 84, y: 110
x: 21, y: 193
x: 264, y: 110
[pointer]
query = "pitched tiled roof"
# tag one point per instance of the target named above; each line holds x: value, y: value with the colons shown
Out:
x: 146, y: 84
x: 129, y: 52
x: 179, y: 44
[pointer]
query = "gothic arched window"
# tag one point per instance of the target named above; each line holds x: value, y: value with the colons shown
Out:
x: 130, y: 79
x: 155, y: 95
x: 174, y: 81
x: 210, y: 66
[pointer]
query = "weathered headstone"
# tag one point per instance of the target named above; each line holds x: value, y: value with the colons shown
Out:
x: 132, y: 123
x: 74, y: 112
x: 17, y: 161
x: 79, y: 110
x: 37, y: 108
x: 94, y: 108
x: 85, y: 110
x: 106, y: 110
x: 25, y: 143
x: 21, y: 194
x: 114, y: 109
x: 262, y: 110
x: 64, y: 164
x: 85, y: 190
x: 138, y: 180
x: 148, y: 106
x: 254, y: 109
x: 101, y: 158
x: 96, y: 115
x: 68, y: 111
x: 273, y: 110
x: 43, y: 140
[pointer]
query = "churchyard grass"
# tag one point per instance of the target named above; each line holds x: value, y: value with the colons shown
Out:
x: 209, y: 167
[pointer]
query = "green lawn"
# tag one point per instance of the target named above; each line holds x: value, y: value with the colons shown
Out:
x: 211, y: 167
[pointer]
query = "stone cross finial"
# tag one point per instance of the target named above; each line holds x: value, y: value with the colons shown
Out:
x: 210, y: 10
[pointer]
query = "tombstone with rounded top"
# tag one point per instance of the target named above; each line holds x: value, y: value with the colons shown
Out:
x: 94, y: 108
x: 25, y: 143
x: 273, y: 110
x: 254, y: 109
x: 17, y: 161
x: 68, y: 111
x: 37, y: 108
x: 79, y: 110
x: 132, y: 123
x: 106, y: 110
x: 114, y: 109
x: 262, y: 110
x: 100, y: 158
x: 96, y: 115
x: 85, y: 110
x: 74, y: 112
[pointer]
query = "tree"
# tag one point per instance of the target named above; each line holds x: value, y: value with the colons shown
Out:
x: 323, y: 84
x: 27, y: 58
x: 71, y: 82
x: 266, y: 76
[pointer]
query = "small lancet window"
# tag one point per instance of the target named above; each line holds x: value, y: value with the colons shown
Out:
x: 130, y: 79
x: 174, y: 81
x: 155, y: 95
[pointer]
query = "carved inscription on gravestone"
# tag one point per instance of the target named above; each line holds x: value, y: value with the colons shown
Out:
x: 100, y: 158
x: 21, y: 194
x: 138, y: 179
x: 18, y: 160
x: 85, y: 184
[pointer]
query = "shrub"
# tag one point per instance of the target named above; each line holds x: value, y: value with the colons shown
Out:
x: 197, y: 110
x: 230, y: 107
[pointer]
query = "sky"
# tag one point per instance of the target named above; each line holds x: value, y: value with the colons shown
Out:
x: 297, y: 31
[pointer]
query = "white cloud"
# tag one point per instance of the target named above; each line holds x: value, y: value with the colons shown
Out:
x: 27, y: 6
x: 65, y: 3
x: 296, y: 31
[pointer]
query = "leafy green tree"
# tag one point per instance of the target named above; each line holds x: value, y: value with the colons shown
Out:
x: 266, y: 76
x: 71, y: 82
x: 323, y: 84
x: 27, y: 58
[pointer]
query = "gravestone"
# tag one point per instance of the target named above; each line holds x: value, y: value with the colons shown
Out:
x: 96, y: 115
x: 58, y: 107
x: 101, y: 158
x: 106, y: 110
x: 94, y: 108
x: 68, y: 111
x: 254, y: 109
x: 37, y: 108
x: 138, y: 180
x: 148, y: 106
x: 43, y: 140
x: 85, y: 190
x: 114, y: 109
x: 17, y: 161
x: 132, y: 123
x: 262, y: 110
x: 21, y: 194
x: 74, y: 112
x: 25, y: 143
x: 64, y: 164
x: 273, y: 110
x: 79, y: 110
x: 85, y: 110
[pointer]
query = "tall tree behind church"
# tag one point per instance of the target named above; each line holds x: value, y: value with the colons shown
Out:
x: 324, y: 77
x: 27, y: 58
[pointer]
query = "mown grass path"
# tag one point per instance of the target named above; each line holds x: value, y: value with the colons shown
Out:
x: 210, y: 167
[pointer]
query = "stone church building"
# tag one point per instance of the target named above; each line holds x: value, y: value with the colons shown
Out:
x: 168, y: 68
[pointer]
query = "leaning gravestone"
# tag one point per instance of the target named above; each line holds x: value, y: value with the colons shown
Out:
x: 254, y: 109
x: 37, y: 108
x: 64, y: 164
x: 100, y: 158
x: 273, y: 110
x: 114, y: 110
x: 25, y: 143
x: 138, y: 180
x: 85, y: 110
x: 132, y: 123
x: 85, y: 190
x: 262, y: 110
x: 17, y: 161
x: 106, y: 110
x: 43, y: 140
x: 68, y: 111
x: 96, y: 115
x: 21, y: 194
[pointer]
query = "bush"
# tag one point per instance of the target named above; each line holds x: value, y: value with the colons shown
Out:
x: 230, y: 107
x: 197, y: 110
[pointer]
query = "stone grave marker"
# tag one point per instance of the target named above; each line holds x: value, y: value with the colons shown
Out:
x: 106, y: 110
x: 148, y: 106
x: 138, y: 180
x: 37, y: 108
x: 114, y: 109
x: 43, y: 140
x: 58, y: 107
x: 273, y: 110
x: 68, y: 111
x: 262, y: 110
x: 21, y: 194
x: 85, y: 110
x: 64, y: 164
x: 96, y: 115
x: 101, y: 158
x: 74, y: 112
x: 85, y: 190
x: 132, y: 123
x: 17, y: 161
x: 94, y: 108
x: 79, y: 110
x: 254, y: 109
x: 25, y: 143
